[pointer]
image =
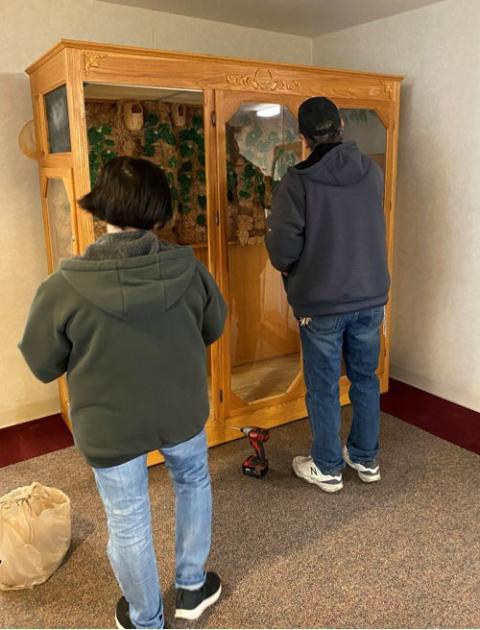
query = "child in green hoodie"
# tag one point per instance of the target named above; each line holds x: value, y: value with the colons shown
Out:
x: 129, y: 322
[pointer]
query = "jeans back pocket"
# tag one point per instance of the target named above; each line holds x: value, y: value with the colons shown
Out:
x: 324, y: 324
x: 372, y: 317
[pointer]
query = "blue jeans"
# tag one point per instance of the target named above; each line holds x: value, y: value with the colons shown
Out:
x: 124, y: 492
x: 324, y: 339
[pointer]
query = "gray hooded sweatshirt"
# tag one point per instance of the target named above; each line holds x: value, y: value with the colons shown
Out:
x: 327, y: 233
x: 128, y: 323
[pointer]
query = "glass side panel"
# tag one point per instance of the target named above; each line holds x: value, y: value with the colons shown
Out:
x: 262, y: 142
x: 59, y: 221
x: 56, y: 109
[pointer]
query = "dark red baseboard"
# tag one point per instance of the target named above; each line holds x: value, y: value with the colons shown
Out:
x: 31, y: 439
x: 447, y: 420
x: 444, y: 419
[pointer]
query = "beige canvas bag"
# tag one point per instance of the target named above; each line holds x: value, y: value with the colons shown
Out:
x: 35, y: 534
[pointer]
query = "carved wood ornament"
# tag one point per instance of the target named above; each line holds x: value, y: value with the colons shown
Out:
x: 388, y: 89
x: 91, y: 60
x: 263, y: 79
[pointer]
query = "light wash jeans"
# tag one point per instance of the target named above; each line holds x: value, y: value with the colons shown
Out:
x: 124, y: 492
x: 324, y: 340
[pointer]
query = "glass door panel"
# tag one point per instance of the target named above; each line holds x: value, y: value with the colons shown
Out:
x: 261, y: 143
x: 165, y: 126
x: 366, y: 128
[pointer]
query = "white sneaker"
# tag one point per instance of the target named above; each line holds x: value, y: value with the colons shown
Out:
x: 367, y: 472
x: 306, y: 469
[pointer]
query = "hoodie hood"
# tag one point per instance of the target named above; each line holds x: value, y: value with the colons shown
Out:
x: 342, y: 165
x: 127, y: 273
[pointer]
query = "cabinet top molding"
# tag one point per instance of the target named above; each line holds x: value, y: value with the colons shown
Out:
x: 97, y: 51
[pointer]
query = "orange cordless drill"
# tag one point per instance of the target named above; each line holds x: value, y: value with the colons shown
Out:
x: 256, y: 465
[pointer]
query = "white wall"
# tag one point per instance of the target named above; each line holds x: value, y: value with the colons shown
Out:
x: 28, y: 29
x: 436, y: 302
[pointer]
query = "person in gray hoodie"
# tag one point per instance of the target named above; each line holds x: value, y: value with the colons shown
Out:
x: 326, y: 234
x: 128, y: 323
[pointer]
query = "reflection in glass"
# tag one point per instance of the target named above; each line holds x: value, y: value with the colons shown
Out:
x: 59, y: 221
x: 264, y: 333
x: 365, y: 127
x: 56, y: 109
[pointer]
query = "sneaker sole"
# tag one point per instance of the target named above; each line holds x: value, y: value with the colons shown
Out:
x: 118, y: 624
x: 191, y: 615
x: 368, y: 478
x: 326, y: 487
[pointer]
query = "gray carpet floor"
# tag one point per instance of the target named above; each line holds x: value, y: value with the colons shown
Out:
x: 404, y: 552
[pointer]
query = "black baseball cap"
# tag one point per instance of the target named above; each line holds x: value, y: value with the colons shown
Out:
x: 318, y: 116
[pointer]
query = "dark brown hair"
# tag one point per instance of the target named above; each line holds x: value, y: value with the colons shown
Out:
x: 130, y: 192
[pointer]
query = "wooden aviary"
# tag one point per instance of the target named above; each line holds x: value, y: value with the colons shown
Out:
x: 225, y: 132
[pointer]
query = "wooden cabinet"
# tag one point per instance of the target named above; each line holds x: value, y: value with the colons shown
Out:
x: 225, y: 131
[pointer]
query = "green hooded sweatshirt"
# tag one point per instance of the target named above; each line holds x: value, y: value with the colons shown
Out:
x: 128, y: 322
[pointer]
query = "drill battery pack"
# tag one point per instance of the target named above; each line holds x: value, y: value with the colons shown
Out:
x: 254, y: 467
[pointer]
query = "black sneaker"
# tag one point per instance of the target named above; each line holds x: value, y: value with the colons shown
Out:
x: 191, y: 604
x: 122, y: 616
